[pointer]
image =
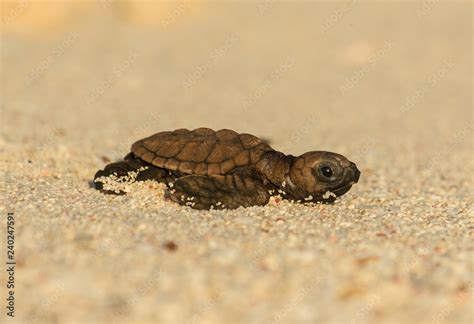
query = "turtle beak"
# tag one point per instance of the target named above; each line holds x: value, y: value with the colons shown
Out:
x: 355, y: 173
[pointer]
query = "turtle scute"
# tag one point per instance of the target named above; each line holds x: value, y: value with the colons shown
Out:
x: 200, y: 151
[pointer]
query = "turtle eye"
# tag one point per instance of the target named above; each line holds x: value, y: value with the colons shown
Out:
x: 326, y: 171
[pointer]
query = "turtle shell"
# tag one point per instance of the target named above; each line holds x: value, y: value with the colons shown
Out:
x: 201, y: 151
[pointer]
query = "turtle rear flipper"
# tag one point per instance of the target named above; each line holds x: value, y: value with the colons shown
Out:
x: 219, y: 192
x: 131, y: 169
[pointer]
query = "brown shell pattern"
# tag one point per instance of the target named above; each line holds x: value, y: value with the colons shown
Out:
x: 201, y: 151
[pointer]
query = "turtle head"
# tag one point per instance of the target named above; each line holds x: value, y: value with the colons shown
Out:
x: 321, y: 176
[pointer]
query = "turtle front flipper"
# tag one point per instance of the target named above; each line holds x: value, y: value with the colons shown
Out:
x: 219, y: 192
x: 131, y: 169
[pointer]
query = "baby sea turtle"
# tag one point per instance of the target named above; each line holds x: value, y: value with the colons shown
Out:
x: 207, y: 169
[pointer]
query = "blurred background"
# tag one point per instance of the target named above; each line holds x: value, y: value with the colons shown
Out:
x: 307, y: 75
x: 386, y: 83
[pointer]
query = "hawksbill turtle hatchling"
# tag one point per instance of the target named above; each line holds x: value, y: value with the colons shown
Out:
x: 206, y: 169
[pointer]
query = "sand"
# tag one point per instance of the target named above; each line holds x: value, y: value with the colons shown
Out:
x: 387, y: 85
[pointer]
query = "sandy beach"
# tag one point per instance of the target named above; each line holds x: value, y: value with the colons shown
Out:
x: 388, y: 85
